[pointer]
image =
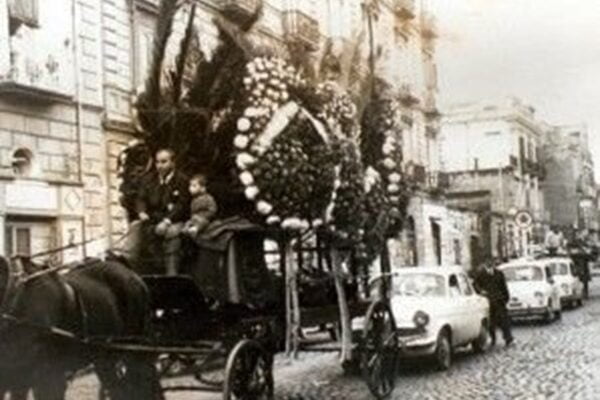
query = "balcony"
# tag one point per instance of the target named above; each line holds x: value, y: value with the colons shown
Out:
x: 430, y: 108
x: 36, y: 79
x: 406, y: 95
x: 238, y: 11
x: 431, y: 130
x: 428, y: 26
x: 301, y: 28
x: 405, y: 9
x: 437, y: 182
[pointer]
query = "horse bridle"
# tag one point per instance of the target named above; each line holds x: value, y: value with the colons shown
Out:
x: 17, y: 279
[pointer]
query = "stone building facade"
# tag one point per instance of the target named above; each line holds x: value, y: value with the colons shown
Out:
x: 570, y: 188
x: 69, y: 70
x: 500, y: 157
x: 53, y: 185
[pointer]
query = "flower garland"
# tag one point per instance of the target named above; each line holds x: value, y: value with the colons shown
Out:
x: 338, y: 110
x: 345, y: 213
x: 282, y: 152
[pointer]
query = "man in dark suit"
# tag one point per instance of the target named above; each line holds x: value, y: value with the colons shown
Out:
x: 492, y: 284
x: 163, y: 205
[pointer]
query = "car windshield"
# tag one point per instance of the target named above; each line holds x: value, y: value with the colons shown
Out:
x: 419, y: 284
x: 523, y: 273
x: 559, y: 268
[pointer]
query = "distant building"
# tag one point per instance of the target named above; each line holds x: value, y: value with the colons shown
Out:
x: 570, y: 188
x: 491, y: 152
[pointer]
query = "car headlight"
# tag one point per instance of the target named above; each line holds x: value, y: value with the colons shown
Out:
x: 421, y: 319
x: 539, y: 296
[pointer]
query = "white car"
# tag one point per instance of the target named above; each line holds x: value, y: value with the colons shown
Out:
x: 532, y: 289
x: 570, y: 286
x: 436, y: 311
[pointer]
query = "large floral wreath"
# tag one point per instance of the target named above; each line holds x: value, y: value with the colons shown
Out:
x: 283, y: 153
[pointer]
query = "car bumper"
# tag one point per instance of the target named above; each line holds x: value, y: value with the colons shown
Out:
x: 568, y: 299
x: 523, y: 312
x: 416, y: 346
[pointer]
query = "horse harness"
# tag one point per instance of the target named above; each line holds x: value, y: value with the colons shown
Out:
x: 17, y: 278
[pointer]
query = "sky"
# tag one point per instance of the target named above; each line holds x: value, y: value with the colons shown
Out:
x: 545, y: 52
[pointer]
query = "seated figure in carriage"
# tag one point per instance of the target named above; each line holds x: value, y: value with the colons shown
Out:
x: 162, y: 207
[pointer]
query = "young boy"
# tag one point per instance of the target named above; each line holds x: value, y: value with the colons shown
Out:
x: 203, y: 206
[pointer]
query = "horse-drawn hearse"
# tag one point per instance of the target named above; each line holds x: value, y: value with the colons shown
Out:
x: 228, y: 344
x: 306, y: 167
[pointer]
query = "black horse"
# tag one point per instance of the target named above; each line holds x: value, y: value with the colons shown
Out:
x: 95, y: 299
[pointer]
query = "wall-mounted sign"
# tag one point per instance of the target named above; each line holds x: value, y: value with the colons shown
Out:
x: 523, y: 219
x: 27, y: 195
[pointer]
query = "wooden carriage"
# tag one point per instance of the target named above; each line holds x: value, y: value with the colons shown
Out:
x: 225, y: 316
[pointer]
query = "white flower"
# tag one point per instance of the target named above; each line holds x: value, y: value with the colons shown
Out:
x: 246, y: 178
x: 389, y: 163
x: 243, y: 160
x: 292, y: 223
x: 241, y: 141
x: 273, y: 219
x: 393, y: 188
x: 395, y: 177
x: 304, y: 224
x: 247, y: 81
x: 387, y: 149
x: 251, y: 192
x: 394, y: 199
x: 243, y: 124
x: 317, y: 222
x: 264, y: 207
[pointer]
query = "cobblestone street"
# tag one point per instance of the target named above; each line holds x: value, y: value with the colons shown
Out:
x: 557, y: 361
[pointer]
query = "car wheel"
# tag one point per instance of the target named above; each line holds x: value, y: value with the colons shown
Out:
x: 481, y: 344
x: 558, y: 314
x: 443, y: 351
x: 580, y: 302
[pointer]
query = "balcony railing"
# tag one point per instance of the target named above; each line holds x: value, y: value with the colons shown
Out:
x: 437, y: 182
x: 238, y: 10
x: 405, y: 9
x: 41, y: 79
x: 300, y: 27
x: 407, y: 96
x: 428, y: 26
x: 430, y: 107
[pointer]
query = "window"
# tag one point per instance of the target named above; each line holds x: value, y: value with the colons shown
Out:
x: 17, y: 241
x: 22, y: 160
x: 144, y: 43
x: 23, y: 12
x: 465, y: 285
x: 453, y: 285
x: 522, y: 153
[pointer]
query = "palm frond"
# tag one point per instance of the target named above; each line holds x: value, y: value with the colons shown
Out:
x: 164, y: 28
x: 206, y: 78
x: 180, y: 61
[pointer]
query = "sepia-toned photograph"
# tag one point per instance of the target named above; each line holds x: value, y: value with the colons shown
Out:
x: 299, y: 200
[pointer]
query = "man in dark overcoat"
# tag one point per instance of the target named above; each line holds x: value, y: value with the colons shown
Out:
x: 492, y: 283
x: 163, y: 205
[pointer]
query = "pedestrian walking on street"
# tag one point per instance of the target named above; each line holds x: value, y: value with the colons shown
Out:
x: 492, y: 283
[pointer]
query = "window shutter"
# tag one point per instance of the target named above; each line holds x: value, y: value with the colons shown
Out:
x: 24, y: 12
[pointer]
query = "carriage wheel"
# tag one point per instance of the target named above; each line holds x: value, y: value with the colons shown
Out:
x: 249, y: 373
x: 379, y: 350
